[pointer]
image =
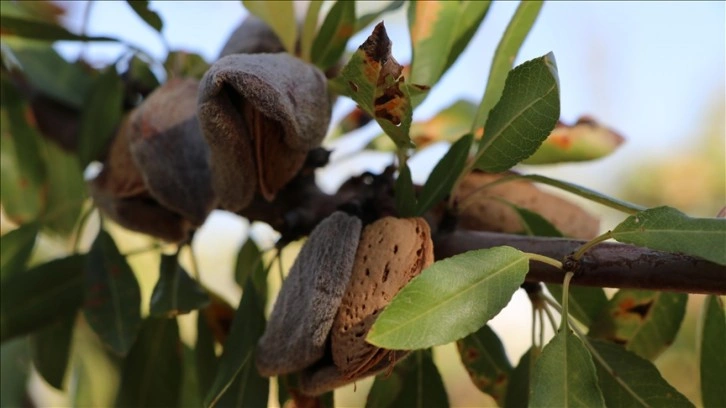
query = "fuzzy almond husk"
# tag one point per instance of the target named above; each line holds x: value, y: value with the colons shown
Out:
x: 167, y: 146
x: 300, y: 322
x: 260, y: 114
x: 483, y: 212
x: 252, y: 36
x: 391, y: 252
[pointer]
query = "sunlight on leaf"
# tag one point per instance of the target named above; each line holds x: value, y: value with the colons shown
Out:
x: 450, y: 299
x: 337, y: 28
x: 667, y: 229
x: 280, y: 16
x: 15, y: 249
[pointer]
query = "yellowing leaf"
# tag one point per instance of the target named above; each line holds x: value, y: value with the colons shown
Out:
x: 585, y: 140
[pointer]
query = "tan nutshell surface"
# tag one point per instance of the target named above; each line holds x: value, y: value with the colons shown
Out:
x: 484, y: 212
x: 391, y: 252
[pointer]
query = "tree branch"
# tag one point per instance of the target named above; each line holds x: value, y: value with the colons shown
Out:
x: 606, y: 265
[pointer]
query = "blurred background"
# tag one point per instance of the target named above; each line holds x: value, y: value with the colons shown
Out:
x: 653, y: 72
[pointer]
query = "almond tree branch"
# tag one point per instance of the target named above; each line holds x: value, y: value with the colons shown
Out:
x: 610, y: 265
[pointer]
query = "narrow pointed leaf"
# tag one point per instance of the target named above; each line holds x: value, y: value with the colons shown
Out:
x: 374, y: 80
x: 641, y: 384
x: 66, y: 190
x: 247, y: 328
x: 150, y: 17
x: 206, y: 361
x: 518, y: 390
x: 101, y: 114
x: 712, y: 353
x: 113, y: 298
x: 416, y: 382
x: 48, y: 72
x: 14, y: 373
x: 367, y: 19
x: 450, y: 299
x: 585, y: 303
x: 585, y: 192
x: 249, y: 264
x: 40, y: 30
x: 535, y: 224
x: 15, y: 249
x: 667, y: 229
x: 280, y: 16
x: 249, y: 388
x: 189, y: 395
x: 152, y: 371
x: 484, y: 358
x: 439, y: 33
x: 22, y: 201
x: 51, y: 350
x: 504, y: 57
x: 564, y: 375
x: 442, y: 177
x: 40, y: 296
x: 405, y: 195
x: 310, y: 28
x: 523, y: 117
x: 337, y: 28
x: 645, y: 322
x: 175, y: 292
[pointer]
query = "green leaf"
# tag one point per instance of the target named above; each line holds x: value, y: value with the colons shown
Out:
x: 564, y: 375
x: 523, y: 117
x: 185, y: 64
x: 374, y: 80
x: 507, y: 50
x: 205, y: 357
x: 405, y: 195
x: 518, y: 390
x: 14, y: 373
x: 280, y: 16
x: 15, y: 249
x: 439, y: 33
x: 22, y: 200
x: 40, y: 30
x: 152, y: 371
x: 51, y: 349
x: 96, y: 372
x: 712, y: 353
x: 40, y: 296
x: 247, y: 328
x: 310, y: 27
x: 635, y: 381
x: 645, y: 322
x: 190, y: 395
x: 442, y: 177
x: 416, y: 382
x: 337, y: 28
x: 175, y: 292
x: 450, y: 299
x: 533, y: 223
x: 66, y: 190
x: 101, y: 114
x: 366, y: 19
x: 139, y: 75
x: 150, y: 17
x: 484, y: 358
x: 27, y: 140
x: 112, y: 296
x: 52, y: 75
x: 249, y: 265
x: 585, y: 303
x: 585, y: 192
x: 249, y: 388
x: 667, y: 229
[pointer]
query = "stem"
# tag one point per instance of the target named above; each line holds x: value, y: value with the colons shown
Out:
x: 551, y: 317
x: 609, y: 265
x: 81, y: 225
x: 544, y: 259
x: 279, y: 264
x: 541, y: 327
x: 566, y: 300
x: 589, y: 244
x: 84, y: 28
x: 534, y: 325
x: 468, y: 200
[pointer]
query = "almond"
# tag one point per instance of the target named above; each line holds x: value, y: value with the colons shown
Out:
x: 300, y: 322
x: 391, y: 252
x: 483, y: 212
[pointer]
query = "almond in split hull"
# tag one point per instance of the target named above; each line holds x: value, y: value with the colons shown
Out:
x: 482, y: 211
x: 391, y: 252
